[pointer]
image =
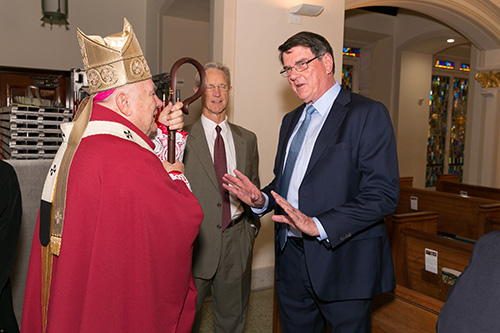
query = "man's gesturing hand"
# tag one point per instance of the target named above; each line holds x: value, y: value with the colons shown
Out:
x: 244, y: 189
x: 295, y: 217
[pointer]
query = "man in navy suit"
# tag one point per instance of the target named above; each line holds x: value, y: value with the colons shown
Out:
x: 332, y: 251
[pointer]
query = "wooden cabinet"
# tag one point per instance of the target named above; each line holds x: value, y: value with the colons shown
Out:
x: 53, y: 85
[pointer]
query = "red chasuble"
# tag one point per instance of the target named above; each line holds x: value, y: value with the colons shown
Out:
x: 125, y: 261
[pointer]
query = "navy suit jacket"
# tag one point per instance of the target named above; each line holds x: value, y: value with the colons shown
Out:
x: 474, y: 299
x: 350, y: 185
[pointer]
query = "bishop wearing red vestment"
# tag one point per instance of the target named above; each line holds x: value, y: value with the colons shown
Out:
x: 120, y: 250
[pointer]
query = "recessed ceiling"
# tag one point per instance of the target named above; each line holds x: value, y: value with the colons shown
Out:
x: 427, y: 42
x: 359, y: 38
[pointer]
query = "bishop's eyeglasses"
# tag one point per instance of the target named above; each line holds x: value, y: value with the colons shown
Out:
x: 299, y: 66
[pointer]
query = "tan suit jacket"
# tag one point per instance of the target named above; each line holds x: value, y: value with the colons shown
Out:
x: 199, y: 170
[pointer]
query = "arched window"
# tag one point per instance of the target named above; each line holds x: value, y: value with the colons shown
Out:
x: 447, y: 118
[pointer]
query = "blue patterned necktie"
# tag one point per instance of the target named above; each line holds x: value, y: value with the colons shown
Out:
x: 293, y: 153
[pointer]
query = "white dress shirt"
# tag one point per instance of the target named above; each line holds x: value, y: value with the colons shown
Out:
x: 227, y: 136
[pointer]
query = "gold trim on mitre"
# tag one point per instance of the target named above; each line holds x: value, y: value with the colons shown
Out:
x: 113, y: 61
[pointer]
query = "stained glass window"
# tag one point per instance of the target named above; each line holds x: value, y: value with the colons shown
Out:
x: 446, y: 156
x: 457, y: 130
x: 350, y: 52
x: 438, y: 110
x: 465, y: 67
x: 347, y: 77
x: 444, y: 64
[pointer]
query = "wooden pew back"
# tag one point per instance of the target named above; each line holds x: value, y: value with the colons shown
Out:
x: 450, y: 177
x: 422, y: 221
x: 491, y: 193
x: 468, y: 217
x: 452, y: 254
x: 406, y: 181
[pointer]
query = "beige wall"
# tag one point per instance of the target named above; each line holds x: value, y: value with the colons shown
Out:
x: 413, y: 117
x: 473, y: 157
x: 383, y: 68
x: 26, y: 43
x: 185, y: 38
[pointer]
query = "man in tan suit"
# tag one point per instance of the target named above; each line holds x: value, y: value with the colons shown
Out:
x: 222, y: 258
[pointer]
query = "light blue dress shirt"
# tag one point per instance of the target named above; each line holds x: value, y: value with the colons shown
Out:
x: 323, y: 106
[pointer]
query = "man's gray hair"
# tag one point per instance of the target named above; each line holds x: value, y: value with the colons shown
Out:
x: 214, y: 65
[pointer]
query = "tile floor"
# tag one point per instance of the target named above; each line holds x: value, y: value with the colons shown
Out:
x: 260, y: 313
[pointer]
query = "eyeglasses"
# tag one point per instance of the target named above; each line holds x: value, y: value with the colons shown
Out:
x: 299, y: 66
x: 222, y: 87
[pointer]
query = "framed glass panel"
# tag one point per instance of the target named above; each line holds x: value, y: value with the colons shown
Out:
x: 436, y: 138
x: 347, y: 77
x: 457, y: 129
x: 446, y: 130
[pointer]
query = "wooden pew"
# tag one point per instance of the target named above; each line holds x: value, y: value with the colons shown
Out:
x: 467, y: 217
x: 451, y: 185
x: 406, y: 181
x: 407, y: 233
x: 413, y: 231
x: 422, y: 221
x: 449, y: 177
x: 451, y: 253
x: 405, y: 310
